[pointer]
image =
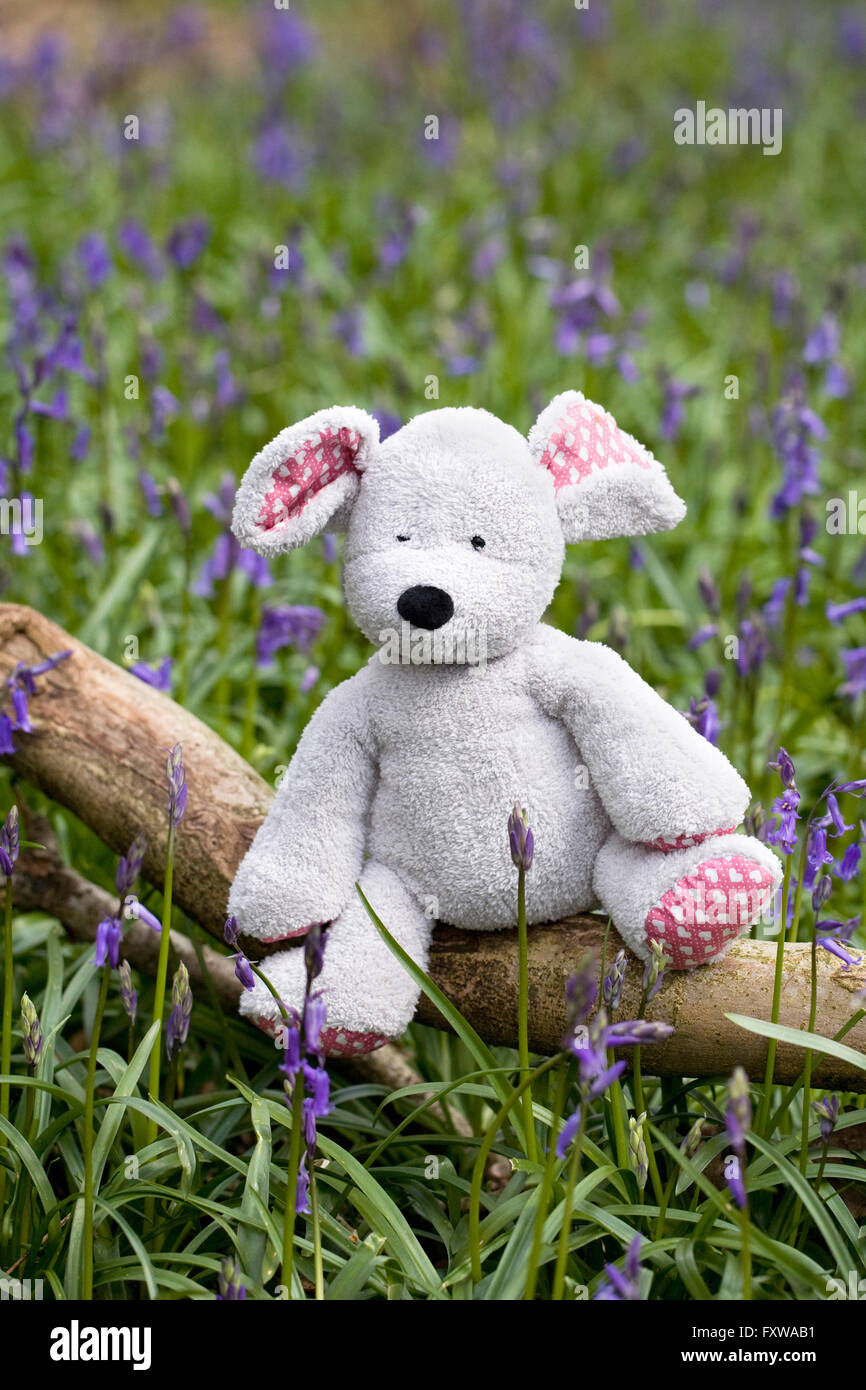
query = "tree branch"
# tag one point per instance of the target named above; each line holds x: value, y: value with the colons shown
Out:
x: 99, y: 746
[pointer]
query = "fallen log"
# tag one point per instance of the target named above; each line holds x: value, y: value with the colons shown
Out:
x: 99, y: 747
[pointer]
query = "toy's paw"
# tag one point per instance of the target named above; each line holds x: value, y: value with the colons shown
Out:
x: 343, y: 1042
x: 709, y: 907
x: 335, y: 1042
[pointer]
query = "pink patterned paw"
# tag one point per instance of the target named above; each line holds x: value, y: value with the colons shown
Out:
x: 342, y: 1042
x: 708, y: 908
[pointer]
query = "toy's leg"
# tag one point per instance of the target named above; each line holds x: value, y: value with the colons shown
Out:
x: 694, y: 901
x: 369, y: 995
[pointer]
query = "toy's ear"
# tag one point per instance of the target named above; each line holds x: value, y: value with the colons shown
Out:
x: 305, y: 480
x: 606, y: 483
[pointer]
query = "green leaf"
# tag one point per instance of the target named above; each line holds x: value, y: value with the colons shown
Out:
x: 480, y: 1051
x: 799, y: 1037
x: 385, y: 1217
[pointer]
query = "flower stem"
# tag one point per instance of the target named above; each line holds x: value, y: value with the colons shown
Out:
x: 807, y: 1083
x: 523, y: 1015
x: 317, y: 1235
x: 6, y: 1045
x: 292, y: 1185
x: 565, y: 1228
x: 161, y: 980
x: 777, y: 999
x: 87, y: 1254
x: 746, y: 1254
x: 546, y: 1185
x: 484, y: 1150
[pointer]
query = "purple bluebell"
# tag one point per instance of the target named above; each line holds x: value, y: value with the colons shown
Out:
x: 159, y: 678
x: 244, y: 971
x: 128, y: 994
x: 855, y: 670
x: 836, y: 817
x: 230, y: 1282
x: 176, y: 775
x: 835, y: 937
x: 108, y: 936
x: 795, y: 427
x: 738, y: 1122
x: 838, y: 612
x: 822, y: 343
x: 9, y: 843
x: 520, y: 839
x: 613, y: 982
x: 129, y: 866
x: 150, y: 490
x: 288, y: 625
x: 231, y: 931
x: 709, y: 592
x: 623, y: 1286
x: 821, y: 892
x: 187, y: 240
x: 703, y: 634
x: 137, y: 245
x: 673, y: 410
x: 581, y: 992
x: 654, y: 972
x: 827, y: 1110
x: 135, y: 910
x: 308, y: 679
x: 752, y: 647
x: 227, y: 554
x: 32, y: 1031
x: 95, y: 258
x: 177, y: 1027
x: 703, y: 715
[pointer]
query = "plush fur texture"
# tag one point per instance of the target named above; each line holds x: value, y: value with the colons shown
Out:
x: 406, y: 774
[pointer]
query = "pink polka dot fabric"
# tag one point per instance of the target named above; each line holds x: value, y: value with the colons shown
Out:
x: 342, y: 1042
x: 667, y: 843
x: 708, y: 908
x: 586, y: 440
x: 336, y: 1042
x: 315, y: 463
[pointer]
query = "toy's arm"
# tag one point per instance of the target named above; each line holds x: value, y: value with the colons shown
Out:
x: 660, y: 782
x: 303, y: 863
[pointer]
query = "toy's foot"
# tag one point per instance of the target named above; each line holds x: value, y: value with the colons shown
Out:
x: 369, y: 995
x: 342, y: 1042
x: 335, y: 1042
x: 708, y: 908
x: 694, y: 900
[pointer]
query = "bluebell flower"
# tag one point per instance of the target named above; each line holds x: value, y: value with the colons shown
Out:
x: 108, y: 937
x: 622, y: 1286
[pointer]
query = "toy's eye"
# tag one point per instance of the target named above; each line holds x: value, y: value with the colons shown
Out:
x: 402, y: 538
x: 478, y: 542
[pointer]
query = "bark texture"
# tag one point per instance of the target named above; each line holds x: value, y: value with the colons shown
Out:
x: 99, y: 747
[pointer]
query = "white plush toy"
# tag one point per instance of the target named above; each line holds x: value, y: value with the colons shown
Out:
x: 405, y: 777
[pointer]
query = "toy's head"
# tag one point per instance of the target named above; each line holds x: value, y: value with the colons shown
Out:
x: 456, y: 524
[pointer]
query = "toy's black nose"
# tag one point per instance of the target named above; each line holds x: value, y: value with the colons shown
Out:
x: 424, y: 606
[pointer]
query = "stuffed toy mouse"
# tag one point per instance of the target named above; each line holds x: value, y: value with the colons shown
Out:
x: 405, y: 776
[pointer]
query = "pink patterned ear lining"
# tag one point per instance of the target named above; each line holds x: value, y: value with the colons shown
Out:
x: 315, y: 463
x: 585, y: 440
